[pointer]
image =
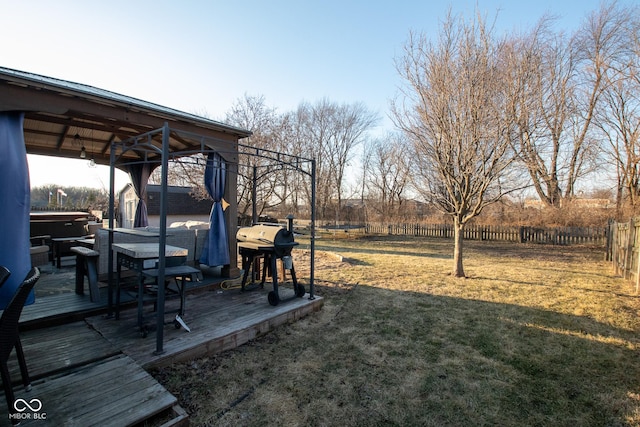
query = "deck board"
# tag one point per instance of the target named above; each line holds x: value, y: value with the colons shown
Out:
x: 218, y: 321
x: 52, y: 350
x: 113, y: 392
x: 58, y: 308
x: 89, y: 369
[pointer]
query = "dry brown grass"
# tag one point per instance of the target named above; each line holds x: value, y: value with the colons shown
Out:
x: 536, y: 335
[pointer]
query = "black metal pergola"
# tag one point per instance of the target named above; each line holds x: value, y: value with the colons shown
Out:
x: 153, y: 147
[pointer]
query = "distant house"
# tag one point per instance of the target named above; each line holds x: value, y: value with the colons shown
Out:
x: 181, y: 206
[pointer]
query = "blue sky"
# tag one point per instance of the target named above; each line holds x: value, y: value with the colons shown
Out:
x: 202, y: 56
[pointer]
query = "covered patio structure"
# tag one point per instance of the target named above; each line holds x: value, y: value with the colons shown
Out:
x: 66, y: 119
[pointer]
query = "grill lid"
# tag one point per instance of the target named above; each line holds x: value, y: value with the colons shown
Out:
x: 263, y: 236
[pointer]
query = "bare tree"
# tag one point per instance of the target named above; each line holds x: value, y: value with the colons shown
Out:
x: 330, y: 133
x: 555, y: 85
x: 252, y: 113
x: 184, y: 172
x: 454, y: 115
x: 618, y: 119
x: 539, y: 68
x: 288, y: 179
x: 388, y: 174
x: 352, y: 121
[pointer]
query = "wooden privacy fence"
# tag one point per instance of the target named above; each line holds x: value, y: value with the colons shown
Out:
x: 623, y: 249
x: 546, y: 235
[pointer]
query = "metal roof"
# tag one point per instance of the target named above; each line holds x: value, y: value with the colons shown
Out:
x: 61, y: 117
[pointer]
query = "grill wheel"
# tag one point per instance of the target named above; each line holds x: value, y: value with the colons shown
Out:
x: 273, y: 298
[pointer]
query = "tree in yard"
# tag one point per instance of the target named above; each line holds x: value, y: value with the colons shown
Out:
x: 271, y: 132
x: 556, y: 85
x: 387, y: 175
x: 453, y: 112
x: 539, y: 69
x: 330, y: 132
x: 252, y: 113
x: 618, y: 118
x: 619, y: 122
x: 296, y: 186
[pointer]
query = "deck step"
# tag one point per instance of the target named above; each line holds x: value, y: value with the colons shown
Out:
x: 60, y: 348
x: 111, y: 392
x: 81, y: 379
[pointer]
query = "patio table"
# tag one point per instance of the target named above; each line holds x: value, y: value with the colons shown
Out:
x: 133, y: 256
x: 57, y: 243
x: 131, y: 231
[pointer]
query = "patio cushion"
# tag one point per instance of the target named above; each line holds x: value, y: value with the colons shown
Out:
x: 39, y: 255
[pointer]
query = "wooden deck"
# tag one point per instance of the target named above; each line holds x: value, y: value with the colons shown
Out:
x: 110, y: 392
x: 218, y: 320
x: 80, y: 379
x: 89, y: 369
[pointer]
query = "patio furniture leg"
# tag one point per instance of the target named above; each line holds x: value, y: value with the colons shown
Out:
x: 117, y: 303
x: 86, y: 265
x: 79, y: 275
x: 92, y: 276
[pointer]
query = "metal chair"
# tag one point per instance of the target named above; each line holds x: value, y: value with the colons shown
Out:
x: 9, y: 337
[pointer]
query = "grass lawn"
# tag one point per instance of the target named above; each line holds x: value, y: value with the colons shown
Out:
x: 535, y: 336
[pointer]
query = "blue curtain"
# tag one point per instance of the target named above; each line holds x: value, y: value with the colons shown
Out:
x: 139, y: 174
x: 216, y: 247
x: 15, y: 205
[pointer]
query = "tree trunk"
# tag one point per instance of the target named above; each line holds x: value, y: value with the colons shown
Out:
x: 458, y: 228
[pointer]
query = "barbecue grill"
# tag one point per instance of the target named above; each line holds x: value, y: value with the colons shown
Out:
x: 269, y: 243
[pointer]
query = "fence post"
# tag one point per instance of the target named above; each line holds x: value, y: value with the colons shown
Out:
x: 628, y: 255
x: 637, y: 271
x: 608, y: 239
x: 619, y: 252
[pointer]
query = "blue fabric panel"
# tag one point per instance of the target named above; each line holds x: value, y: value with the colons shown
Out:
x: 216, y: 247
x: 139, y: 174
x: 15, y: 204
x: 142, y: 217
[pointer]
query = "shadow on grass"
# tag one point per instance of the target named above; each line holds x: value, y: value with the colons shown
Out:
x: 375, y: 356
x: 501, y: 364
